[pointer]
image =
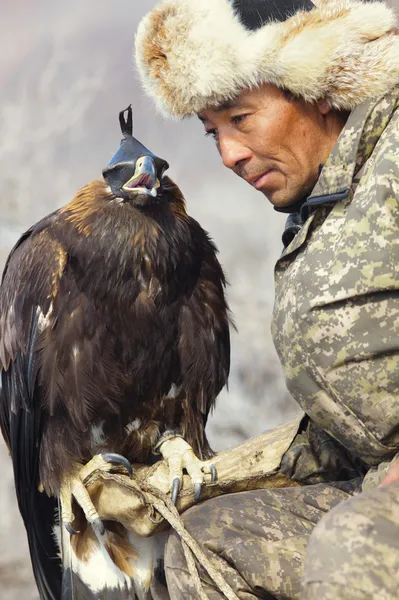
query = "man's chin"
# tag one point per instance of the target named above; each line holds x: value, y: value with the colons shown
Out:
x: 280, y: 199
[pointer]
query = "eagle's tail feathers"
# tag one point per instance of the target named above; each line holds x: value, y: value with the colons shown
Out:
x: 116, y: 565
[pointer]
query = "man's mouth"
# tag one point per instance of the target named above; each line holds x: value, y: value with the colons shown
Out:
x: 260, y: 180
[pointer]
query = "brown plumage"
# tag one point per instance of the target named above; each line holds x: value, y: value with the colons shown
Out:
x: 113, y: 329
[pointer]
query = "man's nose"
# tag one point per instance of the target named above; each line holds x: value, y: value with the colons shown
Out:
x: 232, y: 152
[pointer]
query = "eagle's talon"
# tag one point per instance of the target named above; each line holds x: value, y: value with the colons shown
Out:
x: 175, y: 489
x: 197, y: 491
x: 70, y: 529
x: 118, y: 459
x: 73, y: 488
x: 98, y: 527
x: 180, y: 456
x: 213, y: 473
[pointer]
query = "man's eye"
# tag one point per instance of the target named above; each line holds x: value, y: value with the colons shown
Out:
x: 212, y: 133
x: 238, y: 119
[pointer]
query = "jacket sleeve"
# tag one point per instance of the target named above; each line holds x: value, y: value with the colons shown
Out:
x: 349, y: 324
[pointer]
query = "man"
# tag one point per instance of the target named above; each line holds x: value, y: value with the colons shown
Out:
x: 302, y: 103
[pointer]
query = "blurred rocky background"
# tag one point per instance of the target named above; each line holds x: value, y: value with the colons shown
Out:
x: 65, y: 73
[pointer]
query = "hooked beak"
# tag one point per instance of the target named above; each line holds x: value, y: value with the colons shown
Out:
x: 144, y: 180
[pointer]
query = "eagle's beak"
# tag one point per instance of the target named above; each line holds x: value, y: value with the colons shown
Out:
x: 144, y: 180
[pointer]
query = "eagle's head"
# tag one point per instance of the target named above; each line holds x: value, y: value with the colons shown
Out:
x: 134, y: 173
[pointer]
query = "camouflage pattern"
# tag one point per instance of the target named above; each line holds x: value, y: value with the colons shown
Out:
x: 256, y: 539
x: 353, y: 553
x: 336, y: 316
x: 336, y: 330
x: 267, y: 545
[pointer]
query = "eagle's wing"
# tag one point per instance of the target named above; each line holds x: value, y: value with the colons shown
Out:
x: 204, y: 340
x: 25, y: 296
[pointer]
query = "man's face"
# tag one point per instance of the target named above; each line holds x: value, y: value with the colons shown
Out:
x: 274, y: 143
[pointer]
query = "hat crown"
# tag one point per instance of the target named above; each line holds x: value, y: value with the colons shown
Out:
x: 193, y: 55
x: 255, y: 13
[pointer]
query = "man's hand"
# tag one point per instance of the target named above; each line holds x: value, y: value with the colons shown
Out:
x: 393, y: 474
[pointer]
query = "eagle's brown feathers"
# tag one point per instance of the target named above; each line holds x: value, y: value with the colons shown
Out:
x: 113, y: 328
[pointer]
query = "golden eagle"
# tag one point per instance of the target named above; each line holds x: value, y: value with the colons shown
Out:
x: 114, y: 336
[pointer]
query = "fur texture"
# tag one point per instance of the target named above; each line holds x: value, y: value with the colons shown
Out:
x: 194, y: 55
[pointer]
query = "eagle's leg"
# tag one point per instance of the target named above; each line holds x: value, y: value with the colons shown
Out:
x: 73, y: 487
x: 179, y: 455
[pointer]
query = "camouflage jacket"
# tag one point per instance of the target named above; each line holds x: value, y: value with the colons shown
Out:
x: 336, y: 314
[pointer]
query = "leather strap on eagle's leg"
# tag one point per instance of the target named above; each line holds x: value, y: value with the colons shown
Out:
x: 169, y: 434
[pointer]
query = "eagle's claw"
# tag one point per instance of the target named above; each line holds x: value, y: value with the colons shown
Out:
x: 118, y: 459
x: 179, y: 455
x: 197, y: 491
x: 175, y: 489
x: 73, y: 487
x: 98, y: 526
x: 70, y: 529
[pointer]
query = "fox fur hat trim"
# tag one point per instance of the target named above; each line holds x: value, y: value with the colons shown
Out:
x: 196, y: 54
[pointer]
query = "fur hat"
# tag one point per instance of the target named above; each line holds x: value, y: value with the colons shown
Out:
x: 194, y: 54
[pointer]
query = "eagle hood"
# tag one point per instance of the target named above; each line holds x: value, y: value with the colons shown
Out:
x: 193, y: 55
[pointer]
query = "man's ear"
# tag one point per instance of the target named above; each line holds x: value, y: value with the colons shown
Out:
x: 324, y: 107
